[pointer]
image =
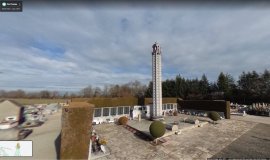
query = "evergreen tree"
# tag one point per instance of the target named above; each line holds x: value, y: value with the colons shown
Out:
x: 226, y: 85
x: 265, y: 86
x: 204, y: 86
x: 222, y: 83
x: 169, y: 88
x: 181, y: 87
x: 149, y: 90
x: 249, y: 86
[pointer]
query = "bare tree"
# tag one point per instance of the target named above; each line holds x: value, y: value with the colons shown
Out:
x: 97, y: 92
x: 87, y: 92
x: 105, y: 92
x: 44, y: 94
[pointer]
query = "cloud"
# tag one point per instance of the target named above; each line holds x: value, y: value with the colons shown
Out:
x: 59, y: 48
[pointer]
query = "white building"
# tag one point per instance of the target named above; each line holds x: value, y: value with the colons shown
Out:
x: 110, y: 109
x: 156, y: 110
x: 11, y: 110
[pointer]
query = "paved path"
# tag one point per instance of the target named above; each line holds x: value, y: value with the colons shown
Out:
x: 43, y: 138
x: 198, y: 143
x: 252, y: 118
x: 253, y: 144
x: 9, y: 134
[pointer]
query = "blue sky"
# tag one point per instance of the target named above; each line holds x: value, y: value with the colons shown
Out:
x: 68, y: 48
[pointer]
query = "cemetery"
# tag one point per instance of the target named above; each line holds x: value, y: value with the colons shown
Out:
x: 192, y: 143
x: 259, y: 109
x: 144, y: 128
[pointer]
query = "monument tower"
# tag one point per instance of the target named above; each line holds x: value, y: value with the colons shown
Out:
x: 156, y: 78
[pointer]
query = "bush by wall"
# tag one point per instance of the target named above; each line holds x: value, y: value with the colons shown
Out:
x: 206, y: 105
x: 123, y: 120
x: 157, y: 129
x: 214, y: 116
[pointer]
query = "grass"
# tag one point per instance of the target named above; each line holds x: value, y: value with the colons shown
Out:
x: 26, y: 101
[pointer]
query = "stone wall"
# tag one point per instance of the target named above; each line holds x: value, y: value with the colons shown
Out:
x: 75, y: 133
x: 206, y: 105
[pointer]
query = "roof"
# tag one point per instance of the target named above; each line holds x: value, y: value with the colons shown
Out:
x: 113, y: 102
x: 11, y: 101
x: 122, y: 101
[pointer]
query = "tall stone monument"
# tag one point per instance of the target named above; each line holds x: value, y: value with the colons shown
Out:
x: 156, y: 110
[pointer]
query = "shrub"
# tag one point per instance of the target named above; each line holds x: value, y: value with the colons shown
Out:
x: 157, y: 129
x: 102, y: 141
x: 123, y: 120
x: 175, y: 113
x: 214, y: 116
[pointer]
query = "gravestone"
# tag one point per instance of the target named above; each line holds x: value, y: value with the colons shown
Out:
x: 192, y: 121
x: 75, y: 133
x: 174, y: 128
x: 171, y: 127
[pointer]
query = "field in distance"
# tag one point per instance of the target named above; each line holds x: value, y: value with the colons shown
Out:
x: 26, y: 101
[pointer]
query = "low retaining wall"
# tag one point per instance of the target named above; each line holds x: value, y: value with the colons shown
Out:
x: 206, y: 105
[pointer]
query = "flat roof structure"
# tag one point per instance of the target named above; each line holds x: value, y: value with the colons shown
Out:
x: 122, y: 101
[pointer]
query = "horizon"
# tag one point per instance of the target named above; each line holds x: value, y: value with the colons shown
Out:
x: 56, y: 48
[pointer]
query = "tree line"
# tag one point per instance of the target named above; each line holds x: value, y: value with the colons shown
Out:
x: 23, y: 94
x: 130, y: 89
x: 133, y: 88
x: 250, y: 87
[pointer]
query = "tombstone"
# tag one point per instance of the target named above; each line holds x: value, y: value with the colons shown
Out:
x: 75, y: 133
x: 196, y: 122
x: 192, y: 121
x: 172, y: 127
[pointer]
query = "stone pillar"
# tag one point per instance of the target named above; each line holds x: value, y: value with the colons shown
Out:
x: 227, y: 112
x: 75, y: 133
x: 157, y: 81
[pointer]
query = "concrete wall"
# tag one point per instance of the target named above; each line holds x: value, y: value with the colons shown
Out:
x: 76, y: 128
x: 206, y: 105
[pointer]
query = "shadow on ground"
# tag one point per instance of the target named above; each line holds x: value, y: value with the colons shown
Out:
x: 144, y: 135
x: 253, y: 144
x: 57, y: 144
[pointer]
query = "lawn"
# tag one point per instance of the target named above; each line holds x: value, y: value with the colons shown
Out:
x: 25, y: 101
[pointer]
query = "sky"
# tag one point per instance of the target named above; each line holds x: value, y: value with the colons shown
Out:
x: 68, y: 47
